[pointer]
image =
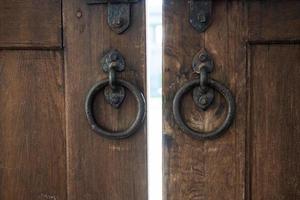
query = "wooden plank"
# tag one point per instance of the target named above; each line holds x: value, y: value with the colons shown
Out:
x: 252, y: 160
x: 274, y: 124
x: 32, y: 136
x: 274, y: 20
x: 30, y: 23
x: 204, y: 169
x: 100, y: 168
x: 225, y: 39
x: 183, y: 173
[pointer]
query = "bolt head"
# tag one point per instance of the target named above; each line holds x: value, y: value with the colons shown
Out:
x: 117, y: 22
x: 203, y: 100
x: 203, y: 57
x: 202, y: 18
x: 114, y: 57
x: 79, y: 14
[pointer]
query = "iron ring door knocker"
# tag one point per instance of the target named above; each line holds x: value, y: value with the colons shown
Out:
x: 203, y: 95
x: 114, y: 93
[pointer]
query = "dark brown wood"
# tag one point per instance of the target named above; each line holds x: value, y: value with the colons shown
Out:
x: 32, y: 133
x: 274, y: 121
x: 226, y: 41
x: 100, y: 168
x: 274, y: 20
x: 238, y: 165
x: 202, y: 169
x: 30, y: 23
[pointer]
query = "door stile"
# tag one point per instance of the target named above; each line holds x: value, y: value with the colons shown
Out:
x: 100, y: 167
x: 205, y: 169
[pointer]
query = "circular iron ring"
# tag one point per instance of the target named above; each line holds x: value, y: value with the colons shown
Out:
x: 140, y: 117
x: 204, y: 135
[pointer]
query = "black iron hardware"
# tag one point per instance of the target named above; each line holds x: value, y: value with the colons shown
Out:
x: 114, y: 92
x: 203, y: 95
x: 111, y: 63
x: 200, y: 14
x: 118, y: 13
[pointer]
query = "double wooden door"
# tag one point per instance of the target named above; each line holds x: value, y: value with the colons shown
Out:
x: 50, y: 58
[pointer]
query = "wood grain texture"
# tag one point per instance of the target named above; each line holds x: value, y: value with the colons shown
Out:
x: 183, y: 173
x: 99, y: 168
x: 238, y: 165
x: 196, y: 170
x: 225, y: 39
x: 30, y: 23
x: 274, y: 124
x: 274, y: 20
x: 32, y: 136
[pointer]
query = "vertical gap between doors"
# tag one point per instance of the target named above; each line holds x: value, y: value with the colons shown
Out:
x: 154, y: 88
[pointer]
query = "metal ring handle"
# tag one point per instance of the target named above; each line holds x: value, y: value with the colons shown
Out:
x: 205, y: 135
x: 140, y: 117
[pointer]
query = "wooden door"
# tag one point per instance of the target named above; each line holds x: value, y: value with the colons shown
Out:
x: 256, y: 51
x: 50, y: 53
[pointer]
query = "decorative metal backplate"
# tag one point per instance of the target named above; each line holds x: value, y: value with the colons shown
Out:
x: 203, y: 59
x: 203, y: 98
x: 200, y: 14
x: 113, y: 56
x: 118, y: 13
x: 115, y: 97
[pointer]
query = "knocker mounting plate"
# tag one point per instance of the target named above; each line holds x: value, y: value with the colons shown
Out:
x: 118, y: 13
x: 203, y: 64
x: 202, y: 59
x: 110, y: 57
x: 111, y: 63
x: 202, y: 98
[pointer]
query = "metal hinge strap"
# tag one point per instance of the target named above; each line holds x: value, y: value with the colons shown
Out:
x: 200, y: 14
x: 110, y: 1
x: 118, y: 13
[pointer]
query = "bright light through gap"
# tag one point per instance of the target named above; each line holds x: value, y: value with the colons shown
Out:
x: 154, y: 76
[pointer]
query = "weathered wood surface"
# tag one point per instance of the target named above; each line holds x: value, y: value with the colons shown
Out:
x: 274, y: 126
x: 223, y: 168
x: 100, y: 168
x: 203, y: 169
x: 32, y: 133
x: 274, y: 20
x: 30, y: 24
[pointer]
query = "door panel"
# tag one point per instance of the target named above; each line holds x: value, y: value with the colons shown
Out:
x: 255, y: 48
x: 30, y: 23
x: 274, y: 138
x: 101, y: 168
x: 274, y: 20
x: 32, y: 133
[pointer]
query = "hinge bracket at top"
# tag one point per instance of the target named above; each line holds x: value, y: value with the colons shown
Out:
x: 200, y: 14
x: 118, y: 13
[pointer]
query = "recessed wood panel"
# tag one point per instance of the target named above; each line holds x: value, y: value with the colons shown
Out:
x: 273, y: 20
x: 32, y: 136
x: 30, y: 23
x: 274, y: 79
